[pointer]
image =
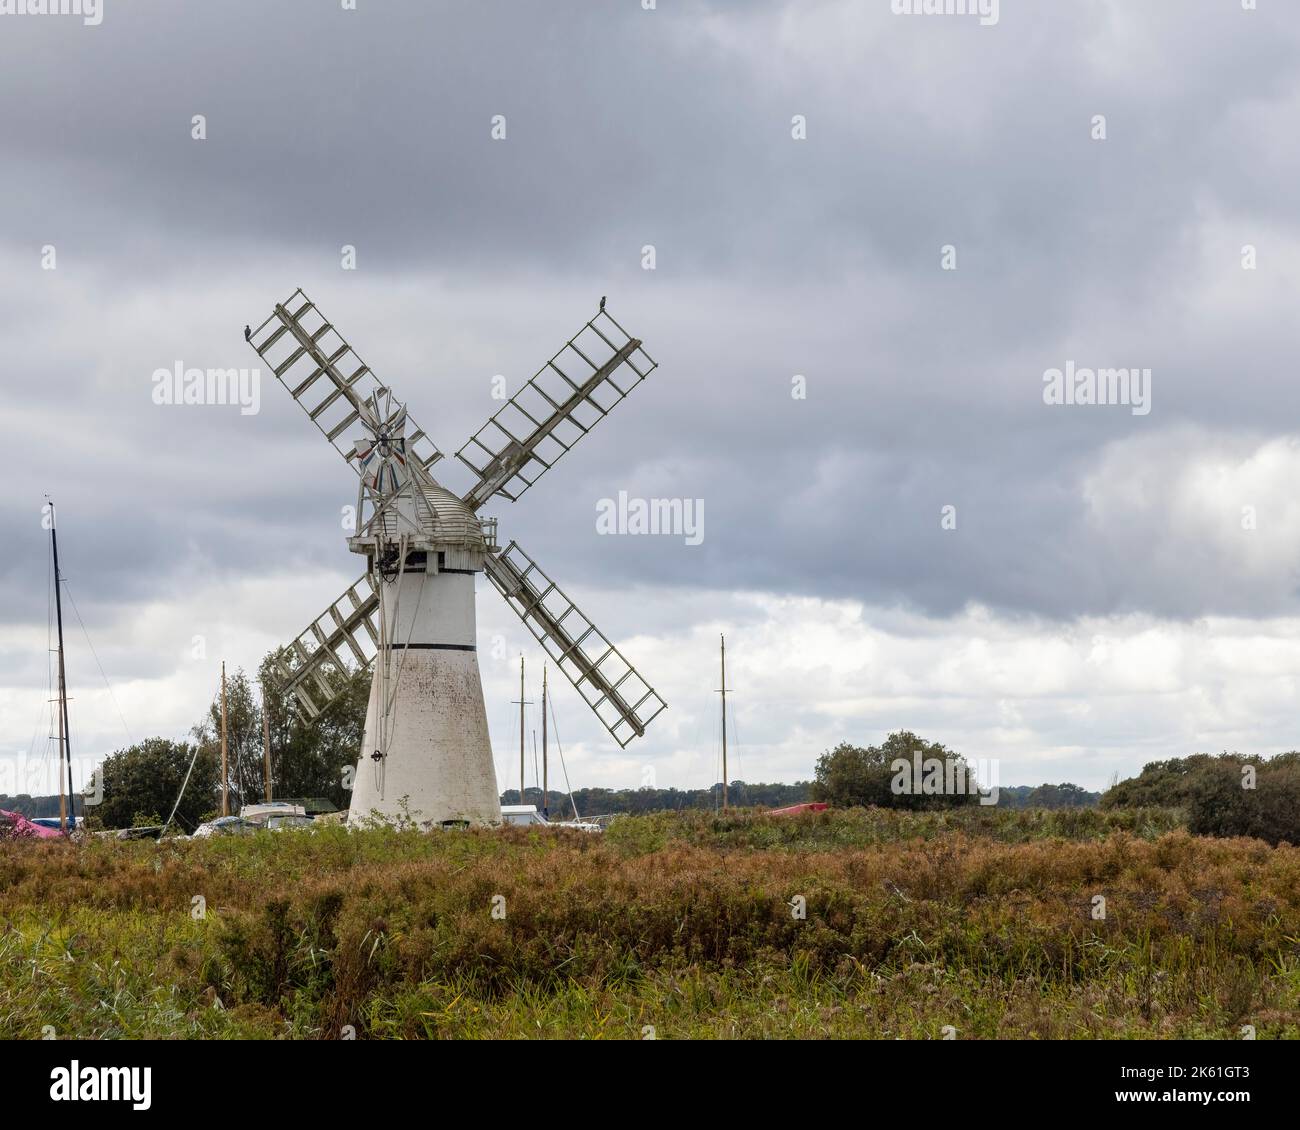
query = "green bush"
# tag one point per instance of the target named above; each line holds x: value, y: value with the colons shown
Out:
x: 850, y: 775
x: 1246, y: 799
x: 1229, y: 795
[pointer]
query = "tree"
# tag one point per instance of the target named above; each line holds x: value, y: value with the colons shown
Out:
x: 852, y: 775
x: 1232, y: 794
x: 1225, y: 801
x: 1161, y: 783
x: 1046, y: 796
x: 146, y: 778
x: 309, y: 759
x: 243, y: 740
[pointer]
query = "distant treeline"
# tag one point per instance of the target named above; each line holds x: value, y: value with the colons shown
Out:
x: 31, y: 806
x: 597, y: 802
x: 601, y: 802
x: 1046, y: 796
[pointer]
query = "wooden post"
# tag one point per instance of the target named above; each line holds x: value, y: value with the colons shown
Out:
x: 522, y: 703
x: 266, y: 744
x: 546, y: 793
x: 225, y: 773
x: 521, y: 729
x: 724, y: 723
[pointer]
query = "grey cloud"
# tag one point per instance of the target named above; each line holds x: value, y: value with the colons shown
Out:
x: 775, y: 257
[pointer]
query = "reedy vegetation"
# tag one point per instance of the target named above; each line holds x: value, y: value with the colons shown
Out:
x: 974, y: 918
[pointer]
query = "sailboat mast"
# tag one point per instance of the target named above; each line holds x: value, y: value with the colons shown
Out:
x: 521, y: 729
x: 65, y: 737
x: 724, y: 723
x: 225, y: 774
x: 63, y: 796
x: 546, y: 793
x: 266, y: 746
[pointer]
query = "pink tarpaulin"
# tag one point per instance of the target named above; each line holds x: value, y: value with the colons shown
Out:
x: 16, y: 824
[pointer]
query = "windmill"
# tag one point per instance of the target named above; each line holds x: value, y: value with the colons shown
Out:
x: 426, y: 752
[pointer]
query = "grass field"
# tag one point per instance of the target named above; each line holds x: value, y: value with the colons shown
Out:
x: 980, y: 921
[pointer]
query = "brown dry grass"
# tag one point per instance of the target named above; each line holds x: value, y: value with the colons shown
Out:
x: 394, y: 935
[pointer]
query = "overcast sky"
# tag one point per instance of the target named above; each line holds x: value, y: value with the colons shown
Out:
x: 1119, y: 586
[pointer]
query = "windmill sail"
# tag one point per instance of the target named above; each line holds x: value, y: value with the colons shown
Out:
x: 623, y: 701
x: 324, y: 374
x: 561, y: 403
x: 335, y: 648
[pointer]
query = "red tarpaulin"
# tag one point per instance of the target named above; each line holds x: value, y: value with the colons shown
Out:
x: 795, y: 809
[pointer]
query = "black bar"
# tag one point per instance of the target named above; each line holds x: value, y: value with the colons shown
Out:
x: 432, y: 646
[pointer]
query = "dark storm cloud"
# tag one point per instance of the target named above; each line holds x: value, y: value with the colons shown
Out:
x: 775, y: 257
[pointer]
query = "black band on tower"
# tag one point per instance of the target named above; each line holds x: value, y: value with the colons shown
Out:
x: 433, y: 646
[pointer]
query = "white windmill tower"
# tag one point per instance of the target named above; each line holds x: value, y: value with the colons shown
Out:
x: 426, y: 751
